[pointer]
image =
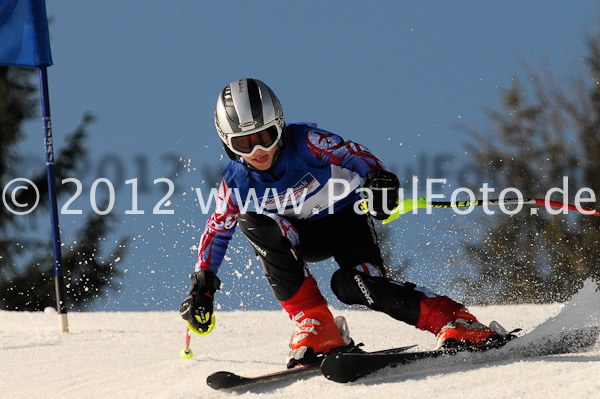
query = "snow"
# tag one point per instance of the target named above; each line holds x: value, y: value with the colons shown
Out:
x: 136, y: 355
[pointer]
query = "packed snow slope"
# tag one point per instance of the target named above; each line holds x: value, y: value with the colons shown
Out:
x: 136, y: 355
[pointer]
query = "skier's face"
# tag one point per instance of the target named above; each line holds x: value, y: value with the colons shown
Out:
x: 261, y: 159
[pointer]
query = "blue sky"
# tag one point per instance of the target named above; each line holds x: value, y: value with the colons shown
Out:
x: 396, y: 76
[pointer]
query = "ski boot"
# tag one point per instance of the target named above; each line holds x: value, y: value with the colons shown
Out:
x: 465, y: 331
x: 317, y: 334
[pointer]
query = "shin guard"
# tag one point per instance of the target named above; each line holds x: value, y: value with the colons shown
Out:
x: 436, y: 311
x: 402, y: 301
x: 398, y: 300
x: 308, y: 296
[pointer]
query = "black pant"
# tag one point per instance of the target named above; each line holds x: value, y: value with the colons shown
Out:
x: 346, y: 236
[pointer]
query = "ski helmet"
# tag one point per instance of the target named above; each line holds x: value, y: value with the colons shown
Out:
x: 248, y: 107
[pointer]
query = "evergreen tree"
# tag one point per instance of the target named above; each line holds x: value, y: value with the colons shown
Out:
x: 541, y: 133
x: 26, y: 261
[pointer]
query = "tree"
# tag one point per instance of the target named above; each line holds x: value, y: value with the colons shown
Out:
x: 542, y: 132
x: 26, y: 261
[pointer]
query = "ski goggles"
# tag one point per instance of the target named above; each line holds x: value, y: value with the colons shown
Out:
x: 247, y: 145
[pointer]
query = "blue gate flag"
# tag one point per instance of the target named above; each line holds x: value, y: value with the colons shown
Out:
x: 24, y: 39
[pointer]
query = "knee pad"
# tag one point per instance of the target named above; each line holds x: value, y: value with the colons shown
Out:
x: 398, y: 300
x: 255, y: 226
x: 284, y: 269
x: 352, y: 288
x: 250, y: 222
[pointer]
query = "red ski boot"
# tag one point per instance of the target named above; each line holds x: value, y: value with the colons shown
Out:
x: 317, y: 333
x: 466, y: 330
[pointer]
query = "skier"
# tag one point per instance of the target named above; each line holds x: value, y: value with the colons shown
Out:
x: 300, y: 161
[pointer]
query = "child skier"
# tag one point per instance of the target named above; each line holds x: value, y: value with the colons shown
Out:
x: 298, y: 161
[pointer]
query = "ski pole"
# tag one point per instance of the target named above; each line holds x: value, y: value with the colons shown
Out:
x: 187, y: 353
x: 421, y: 202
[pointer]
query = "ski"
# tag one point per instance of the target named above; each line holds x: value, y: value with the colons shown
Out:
x: 343, y: 368
x: 229, y: 380
x: 349, y: 367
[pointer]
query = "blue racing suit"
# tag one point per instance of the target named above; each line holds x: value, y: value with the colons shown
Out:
x: 317, y: 174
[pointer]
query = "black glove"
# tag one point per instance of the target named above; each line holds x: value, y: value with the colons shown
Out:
x: 197, y: 308
x: 384, y: 187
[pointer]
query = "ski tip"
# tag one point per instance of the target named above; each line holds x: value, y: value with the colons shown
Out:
x: 332, y: 368
x: 223, y: 380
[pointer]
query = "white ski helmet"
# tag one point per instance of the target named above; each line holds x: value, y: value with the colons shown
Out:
x: 247, y: 107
